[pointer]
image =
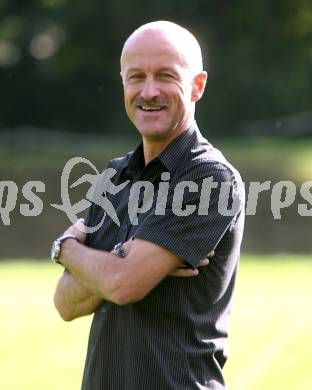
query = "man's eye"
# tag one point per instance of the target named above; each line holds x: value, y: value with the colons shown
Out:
x: 167, y: 75
x: 135, y: 77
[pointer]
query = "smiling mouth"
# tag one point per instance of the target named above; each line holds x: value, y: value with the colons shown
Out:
x: 151, y: 108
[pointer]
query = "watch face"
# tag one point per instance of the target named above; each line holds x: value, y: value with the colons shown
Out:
x: 119, y: 250
x: 55, y: 250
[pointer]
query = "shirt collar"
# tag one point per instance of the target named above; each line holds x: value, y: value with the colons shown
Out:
x: 136, y: 162
x: 170, y: 157
x: 179, y: 147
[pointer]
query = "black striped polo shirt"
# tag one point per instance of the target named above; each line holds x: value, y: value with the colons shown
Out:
x: 176, y: 336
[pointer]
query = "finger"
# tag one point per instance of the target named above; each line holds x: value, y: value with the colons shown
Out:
x: 126, y: 247
x: 211, y: 254
x: 203, y: 263
x: 79, y: 224
x: 184, y: 272
x: 127, y: 243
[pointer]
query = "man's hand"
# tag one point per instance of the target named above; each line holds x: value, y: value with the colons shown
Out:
x: 182, y: 270
x: 77, y: 230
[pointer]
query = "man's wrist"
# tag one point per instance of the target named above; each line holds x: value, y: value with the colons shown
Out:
x: 67, y: 248
x: 57, y: 251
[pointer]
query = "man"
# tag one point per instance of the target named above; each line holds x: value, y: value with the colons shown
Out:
x: 151, y: 330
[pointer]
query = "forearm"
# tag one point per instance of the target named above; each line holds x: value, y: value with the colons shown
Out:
x: 73, y: 300
x: 96, y: 275
x: 119, y: 280
x: 97, y: 271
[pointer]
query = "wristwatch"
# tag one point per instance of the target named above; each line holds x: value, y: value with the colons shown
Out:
x: 57, y: 246
x: 119, y: 250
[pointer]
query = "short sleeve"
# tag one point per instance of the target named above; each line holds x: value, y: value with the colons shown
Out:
x: 94, y: 213
x: 192, y: 237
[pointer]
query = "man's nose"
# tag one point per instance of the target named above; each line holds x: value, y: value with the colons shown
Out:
x: 150, y: 88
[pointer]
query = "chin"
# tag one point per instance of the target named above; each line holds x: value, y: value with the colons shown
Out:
x: 154, y: 132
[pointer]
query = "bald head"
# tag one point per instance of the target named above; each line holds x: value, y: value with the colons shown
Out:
x: 163, y: 78
x: 179, y: 38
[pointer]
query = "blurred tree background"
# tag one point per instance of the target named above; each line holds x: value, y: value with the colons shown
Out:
x: 59, y: 60
x: 59, y: 80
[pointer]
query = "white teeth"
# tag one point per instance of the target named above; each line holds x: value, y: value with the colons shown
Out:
x: 147, y: 108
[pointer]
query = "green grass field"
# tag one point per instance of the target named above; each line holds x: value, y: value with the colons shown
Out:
x: 270, y: 340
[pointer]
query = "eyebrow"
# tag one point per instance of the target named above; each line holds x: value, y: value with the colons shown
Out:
x: 133, y: 70
x: 163, y: 69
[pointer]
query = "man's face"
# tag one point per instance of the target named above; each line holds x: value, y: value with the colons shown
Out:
x: 157, y: 87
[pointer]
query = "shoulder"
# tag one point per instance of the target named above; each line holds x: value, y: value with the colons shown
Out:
x: 209, y: 162
x: 119, y: 163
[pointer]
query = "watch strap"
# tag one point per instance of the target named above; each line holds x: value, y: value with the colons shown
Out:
x: 57, y: 246
x: 66, y: 237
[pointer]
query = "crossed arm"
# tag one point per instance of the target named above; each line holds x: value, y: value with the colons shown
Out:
x: 93, y: 275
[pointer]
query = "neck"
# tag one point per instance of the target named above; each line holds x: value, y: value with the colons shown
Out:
x: 152, y: 147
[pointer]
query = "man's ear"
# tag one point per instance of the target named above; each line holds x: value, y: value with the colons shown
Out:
x: 199, y: 83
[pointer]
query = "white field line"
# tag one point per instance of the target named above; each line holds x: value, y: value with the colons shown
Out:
x: 268, y: 355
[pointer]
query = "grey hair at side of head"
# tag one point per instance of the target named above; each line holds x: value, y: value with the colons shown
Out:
x: 182, y: 39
